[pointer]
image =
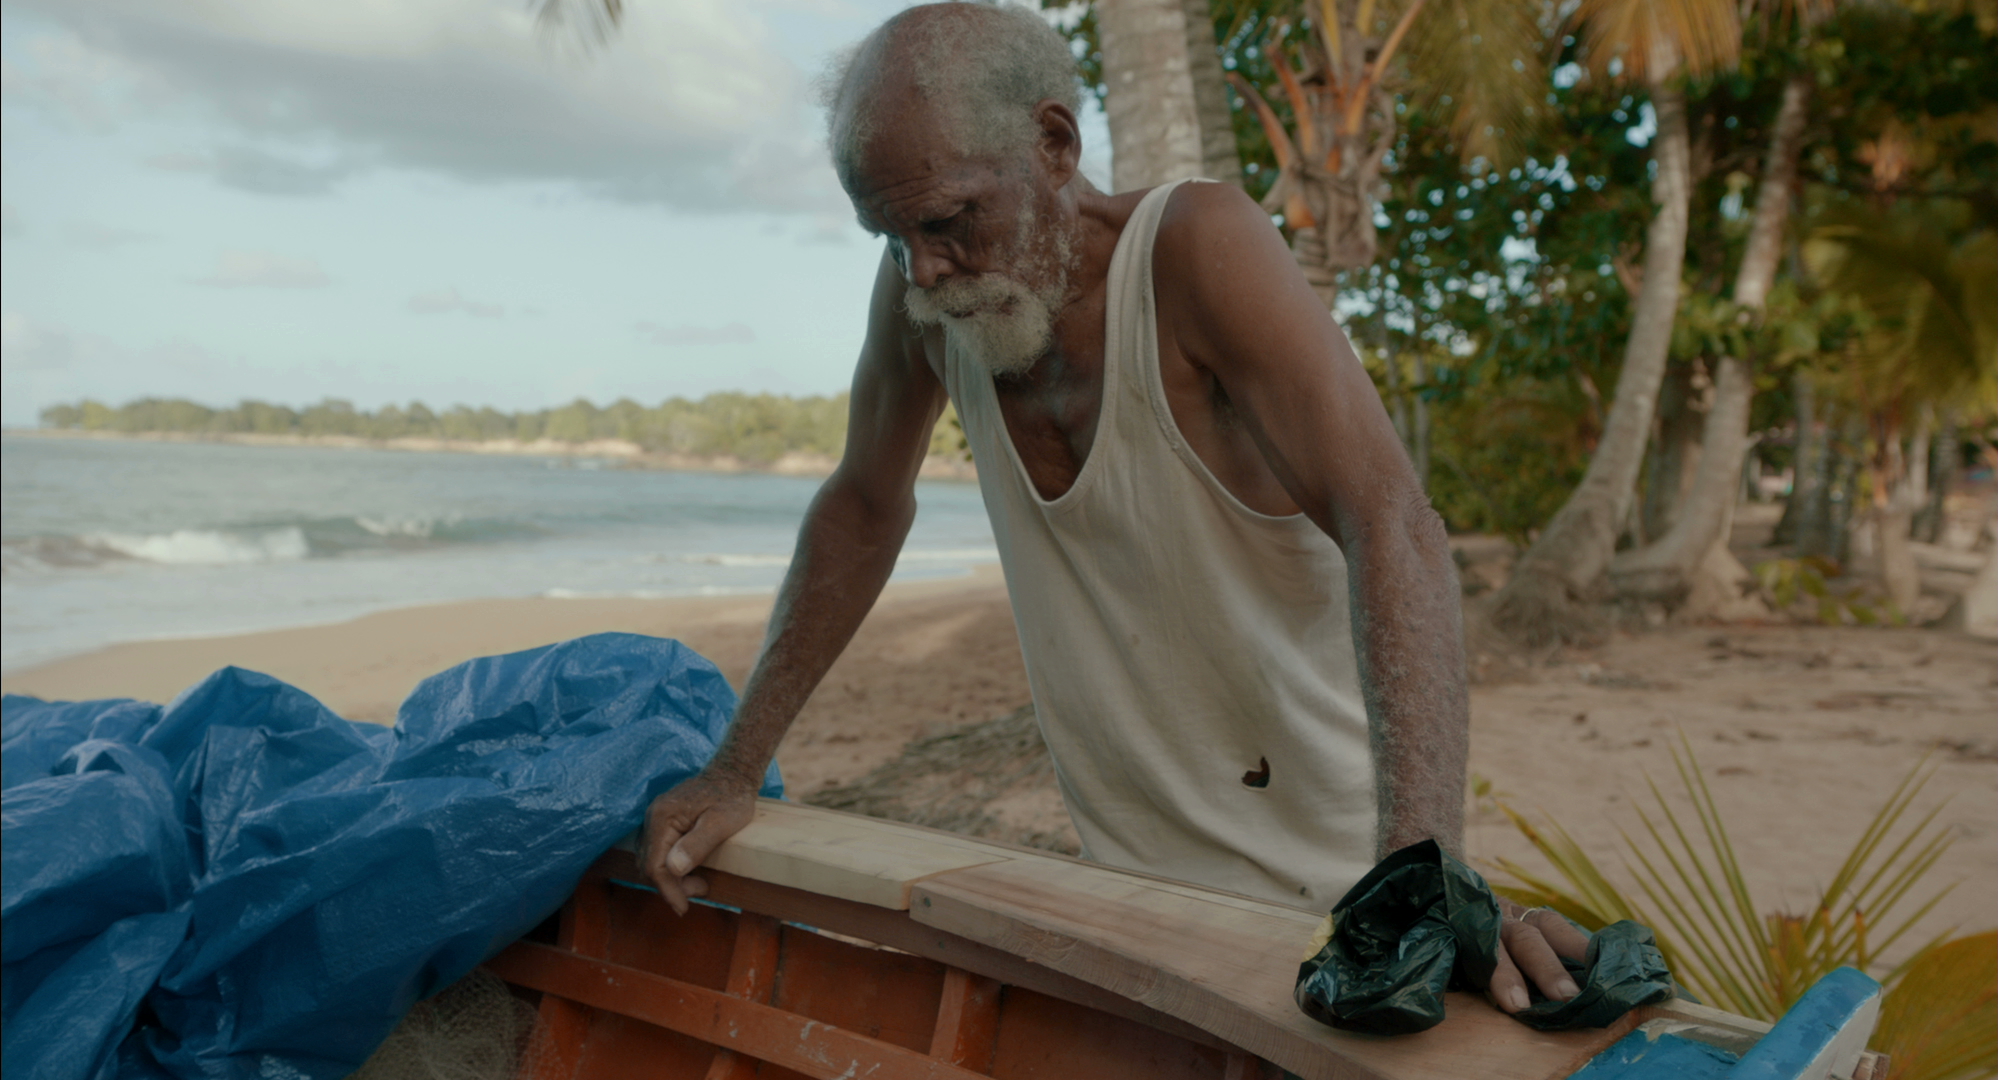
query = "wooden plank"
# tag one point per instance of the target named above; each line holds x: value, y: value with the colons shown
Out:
x: 585, y: 928
x: 746, y: 1027
x: 1703, y: 1023
x: 1224, y: 967
x: 843, y: 855
x: 967, y: 1020
x: 752, y: 974
x: 896, y: 930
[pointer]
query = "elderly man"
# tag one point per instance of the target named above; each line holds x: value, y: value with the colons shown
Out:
x: 1238, y: 611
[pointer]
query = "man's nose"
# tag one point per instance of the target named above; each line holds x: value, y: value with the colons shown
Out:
x: 926, y: 266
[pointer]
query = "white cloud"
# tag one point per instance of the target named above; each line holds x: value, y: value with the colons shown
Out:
x: 251, y: 169
x: 27, y: 345
x: 263, y: 269
x: 690, y: 105
x: 99, y: 237
x: 686, y: 334
x: 442, y: 301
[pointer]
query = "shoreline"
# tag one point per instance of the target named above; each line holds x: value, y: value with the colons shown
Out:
x: 1801, y: 731
x: 362, y: 667
x: 626, y: 454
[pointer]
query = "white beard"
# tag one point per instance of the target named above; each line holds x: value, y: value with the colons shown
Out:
x: 997, y: 319
x: 994, y: 319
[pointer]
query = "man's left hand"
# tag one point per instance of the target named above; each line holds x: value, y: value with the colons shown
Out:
x: 1532, y: 942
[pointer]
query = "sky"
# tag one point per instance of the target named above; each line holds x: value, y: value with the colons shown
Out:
x: 396, y: 200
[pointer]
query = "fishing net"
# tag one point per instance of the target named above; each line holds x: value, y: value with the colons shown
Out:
x: 474, y: 1029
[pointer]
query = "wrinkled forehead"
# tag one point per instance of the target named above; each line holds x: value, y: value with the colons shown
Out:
x: 897, y: 187
x: 911, y: 157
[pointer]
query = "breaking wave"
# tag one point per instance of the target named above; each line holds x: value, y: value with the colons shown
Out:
x: 256, y: 543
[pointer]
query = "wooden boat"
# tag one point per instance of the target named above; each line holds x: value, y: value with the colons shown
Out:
x: 837, y: 946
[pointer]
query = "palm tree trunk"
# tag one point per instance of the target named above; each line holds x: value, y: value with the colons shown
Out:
x: 1148, y: 93
x: 1806, y: 463
x: 1548, y: 597
x: 1664, y: 572
x: 1893, y: 508
x: 1675, y: 453
x: 1668, y: 570
x: 1220, y: 157
x: 1943, y: 460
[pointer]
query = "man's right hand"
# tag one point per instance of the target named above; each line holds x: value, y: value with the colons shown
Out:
x: 685, y: 825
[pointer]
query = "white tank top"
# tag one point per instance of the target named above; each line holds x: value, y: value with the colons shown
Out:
x: 1176, y: 641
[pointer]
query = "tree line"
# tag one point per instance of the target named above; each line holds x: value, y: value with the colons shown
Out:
x: 1604, y: 258
x: 757, y: 428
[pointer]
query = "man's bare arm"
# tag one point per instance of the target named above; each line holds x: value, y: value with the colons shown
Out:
x: 1239, y: 308
x: 846, y: 549
x: 1246, y: 314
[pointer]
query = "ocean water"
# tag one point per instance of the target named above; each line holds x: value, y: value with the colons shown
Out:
x: 109, y: 541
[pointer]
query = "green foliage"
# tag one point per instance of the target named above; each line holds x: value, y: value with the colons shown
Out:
x: 1512, y: 271
x: 1921, y: 281
x: 1504, y: 462
x: 754, y: 427
x: 1787, y: 583
x: 1721, y: 943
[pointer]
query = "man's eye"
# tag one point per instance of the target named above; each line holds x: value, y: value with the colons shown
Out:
x: 946, y: 224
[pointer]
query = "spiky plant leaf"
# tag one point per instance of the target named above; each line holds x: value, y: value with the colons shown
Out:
x: 1940, y: 1020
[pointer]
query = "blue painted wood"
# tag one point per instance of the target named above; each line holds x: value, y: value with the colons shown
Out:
x: 1808, y: 1027
x: 1637, y: 1056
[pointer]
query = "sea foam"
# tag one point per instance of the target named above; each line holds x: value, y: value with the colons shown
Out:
x: 210, y: 547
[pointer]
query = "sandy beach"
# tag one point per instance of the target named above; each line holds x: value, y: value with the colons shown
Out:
x: 1802, y: 731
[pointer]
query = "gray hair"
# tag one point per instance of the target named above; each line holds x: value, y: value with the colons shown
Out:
x: 983, y: 66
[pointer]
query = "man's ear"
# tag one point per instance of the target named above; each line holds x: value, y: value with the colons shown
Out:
x: 1061, y: 141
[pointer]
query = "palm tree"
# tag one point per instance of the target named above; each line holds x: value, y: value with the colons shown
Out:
x: 1923, y: 281
x: 593, y: 21
x: 1689, y: 568
x: 1163, y: 94
x: 1335, y: 62
x: 1548, y: 597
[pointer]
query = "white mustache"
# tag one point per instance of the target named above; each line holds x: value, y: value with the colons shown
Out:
x: 965, y: 298
x: 996, y: 320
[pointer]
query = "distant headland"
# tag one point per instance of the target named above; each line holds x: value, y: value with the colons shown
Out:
x: 722, y: 432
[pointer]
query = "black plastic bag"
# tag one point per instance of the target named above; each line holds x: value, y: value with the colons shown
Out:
x: 1623, y: 969
x: 1421, y: 923
x: 1418, y: 924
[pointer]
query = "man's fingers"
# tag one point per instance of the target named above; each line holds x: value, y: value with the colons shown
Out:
x: 1508, y: 988
x: 1568, y: 942
x: 670, y: 891
x: 1536, y: 959
x: 682, y: 828
x: 710, y: 829
x: 660, y: 839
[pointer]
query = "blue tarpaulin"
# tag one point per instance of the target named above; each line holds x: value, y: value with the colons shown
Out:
x: 242, y: 884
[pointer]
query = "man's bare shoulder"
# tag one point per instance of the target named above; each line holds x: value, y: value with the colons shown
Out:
x: 1208, y: 219
x: 1220, y: 262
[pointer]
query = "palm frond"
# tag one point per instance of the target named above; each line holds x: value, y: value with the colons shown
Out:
x: 1699, y: 36
x: 593, y: 21
x: 1719, y: 942
x: 1924, y: 283
x: 1940, y: 1020
x: 1488, y: 60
